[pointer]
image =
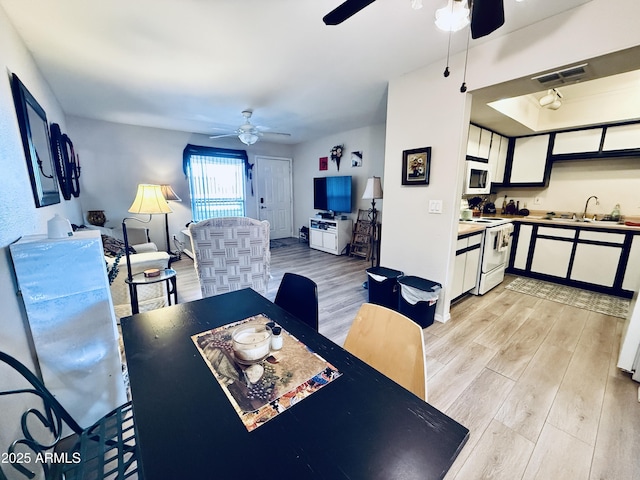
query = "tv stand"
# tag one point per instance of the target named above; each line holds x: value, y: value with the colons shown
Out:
x: 331, y: 236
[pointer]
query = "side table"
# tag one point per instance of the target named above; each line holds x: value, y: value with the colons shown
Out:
x: 167, y: 275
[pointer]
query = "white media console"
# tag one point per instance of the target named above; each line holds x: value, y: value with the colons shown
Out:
x: 331, y: 236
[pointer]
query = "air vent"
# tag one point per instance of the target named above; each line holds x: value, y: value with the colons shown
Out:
x: 562, y: 77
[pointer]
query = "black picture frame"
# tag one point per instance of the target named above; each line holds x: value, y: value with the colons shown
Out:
x: 36, y: 142
x: 416, y: 166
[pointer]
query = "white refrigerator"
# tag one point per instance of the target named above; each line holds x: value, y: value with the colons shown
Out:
x: 64, y: 286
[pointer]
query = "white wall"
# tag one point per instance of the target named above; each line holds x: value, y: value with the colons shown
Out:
x: 18, y: 214
x: 369, y: 140
x: 426, y: 109
x: 115, y: 158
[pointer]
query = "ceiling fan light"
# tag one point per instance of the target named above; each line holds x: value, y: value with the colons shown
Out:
x: 453, y: 17
x: 248, y: 138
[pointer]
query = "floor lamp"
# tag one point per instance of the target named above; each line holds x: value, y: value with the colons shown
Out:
x: 170, y: 196
x: 149, y: 201
x: 373, y: 192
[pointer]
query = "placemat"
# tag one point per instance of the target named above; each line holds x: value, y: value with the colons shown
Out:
x: 290, y: 374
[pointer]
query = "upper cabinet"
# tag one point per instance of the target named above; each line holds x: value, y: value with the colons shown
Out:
x: 498, y: 157
x: 479, y: 143
x: 578, y: 141
x: 622, y: 137
x: 529, y: 163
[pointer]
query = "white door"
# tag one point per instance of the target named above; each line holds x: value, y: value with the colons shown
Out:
x: 274, y: 194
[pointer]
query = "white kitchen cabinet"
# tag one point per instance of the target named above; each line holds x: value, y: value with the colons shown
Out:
x: 466, y: 264
x: 473, y: 142
x: 331, y: 236
x: 552, y: 255
x: 578, y: 141
x: 522, y: 247
x: 479, y: 142
x: 529, y: 161
x: 622, y: 137
x: 64, y: 286
x: 498, y: 157
x: 597, y: 264
x: 485, y: 143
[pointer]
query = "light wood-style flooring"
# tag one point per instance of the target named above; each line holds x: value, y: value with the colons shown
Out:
x: 535, y: 381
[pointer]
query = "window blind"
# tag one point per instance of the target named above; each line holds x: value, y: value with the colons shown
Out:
x: 216, y: 181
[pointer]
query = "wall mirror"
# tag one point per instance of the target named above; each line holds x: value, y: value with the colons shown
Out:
x: 34, y: 131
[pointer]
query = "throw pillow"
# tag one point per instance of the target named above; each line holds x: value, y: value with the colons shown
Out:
x: 112, y: 246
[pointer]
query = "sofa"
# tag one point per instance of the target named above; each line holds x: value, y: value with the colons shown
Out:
x: 146, y: 256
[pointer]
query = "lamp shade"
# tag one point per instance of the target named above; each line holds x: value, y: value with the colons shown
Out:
x: 149, y: 200
x: 169, y: 194
x: 373, y: 190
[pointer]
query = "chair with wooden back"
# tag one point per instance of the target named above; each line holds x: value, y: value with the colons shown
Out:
x: 231, y: 253
x: 392, y: 344
x: 298, y: 295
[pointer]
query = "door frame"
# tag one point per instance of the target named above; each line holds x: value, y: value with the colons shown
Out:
x: 257, y: 159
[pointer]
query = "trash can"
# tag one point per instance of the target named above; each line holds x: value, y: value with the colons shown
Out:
x: 382, y: 284
x: 417, y: 299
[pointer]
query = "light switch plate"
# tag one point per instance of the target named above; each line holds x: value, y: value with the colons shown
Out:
x: 435, y: 206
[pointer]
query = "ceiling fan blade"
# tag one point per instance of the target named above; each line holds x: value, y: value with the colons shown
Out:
x: 275, y: 134
x: 224, y: 135
x: 344, y: 11
x: 486, y: 17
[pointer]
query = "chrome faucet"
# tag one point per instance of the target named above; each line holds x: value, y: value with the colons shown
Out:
x: 586, y: 205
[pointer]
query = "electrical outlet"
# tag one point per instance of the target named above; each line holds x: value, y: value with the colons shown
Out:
x: 537, y: 201
x: 435, y: 206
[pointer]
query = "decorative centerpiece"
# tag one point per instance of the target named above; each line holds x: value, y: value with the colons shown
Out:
x: 336, y: 154
x: 251, y: 343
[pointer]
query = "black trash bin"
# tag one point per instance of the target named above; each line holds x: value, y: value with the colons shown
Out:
x: 417, y: 299
x: 383, y: 286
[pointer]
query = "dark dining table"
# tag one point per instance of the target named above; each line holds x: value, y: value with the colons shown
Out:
x: 361, y: 426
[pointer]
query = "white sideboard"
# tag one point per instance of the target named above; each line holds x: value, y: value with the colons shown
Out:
x: 331, y: 236
x: 64, y: 286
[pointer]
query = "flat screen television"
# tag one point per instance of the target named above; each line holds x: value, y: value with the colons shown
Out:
x: 332, y: 194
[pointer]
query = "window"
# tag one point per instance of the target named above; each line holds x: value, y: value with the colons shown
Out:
x: 216, y: 181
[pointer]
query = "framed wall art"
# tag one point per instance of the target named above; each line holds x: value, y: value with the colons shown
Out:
x: 323, y: 163
x: 34, y: 131
x: 415, y: 166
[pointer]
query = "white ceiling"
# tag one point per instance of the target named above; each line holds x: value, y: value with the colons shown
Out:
x: 194, y: 65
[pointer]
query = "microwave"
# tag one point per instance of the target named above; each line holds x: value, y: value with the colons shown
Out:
x: 477, y: 178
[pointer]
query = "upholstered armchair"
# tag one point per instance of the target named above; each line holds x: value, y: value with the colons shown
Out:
x: 146, y: 257
x: 231, y: 253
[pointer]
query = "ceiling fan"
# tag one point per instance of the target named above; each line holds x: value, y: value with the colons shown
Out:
x: 248, y: 133
x: 486, y: 15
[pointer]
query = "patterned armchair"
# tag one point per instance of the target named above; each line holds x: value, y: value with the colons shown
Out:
x: 231, y: 253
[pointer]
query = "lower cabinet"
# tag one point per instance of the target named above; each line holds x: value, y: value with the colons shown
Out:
x: 466, y: 265
x: 331, y: 236
x: 595, y: 258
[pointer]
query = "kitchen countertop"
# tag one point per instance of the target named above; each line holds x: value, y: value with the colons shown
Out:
x: 466, y: 228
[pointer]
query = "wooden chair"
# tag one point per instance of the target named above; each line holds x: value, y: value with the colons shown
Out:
x: 392, y: 344
x: 107, y: 449
x: 231, y: 253
x: 298, y: 295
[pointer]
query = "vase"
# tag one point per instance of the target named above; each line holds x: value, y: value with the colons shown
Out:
x: 96, y: 217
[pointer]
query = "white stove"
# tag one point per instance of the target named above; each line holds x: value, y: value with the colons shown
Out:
x: 487, y: 220
x: 494, y: 254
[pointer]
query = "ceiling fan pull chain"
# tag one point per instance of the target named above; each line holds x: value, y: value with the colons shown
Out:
x: 446, y: 70
x: 463, y: 87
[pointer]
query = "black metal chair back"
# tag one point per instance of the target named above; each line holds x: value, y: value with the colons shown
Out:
x: 107, y: 449
x: 298, y: 295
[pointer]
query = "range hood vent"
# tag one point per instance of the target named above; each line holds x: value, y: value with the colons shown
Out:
x: 563, y: 77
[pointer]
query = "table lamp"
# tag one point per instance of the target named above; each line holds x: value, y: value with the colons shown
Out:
x: 373, y: 191
x: 170, y: 196
x: 149, y: 201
